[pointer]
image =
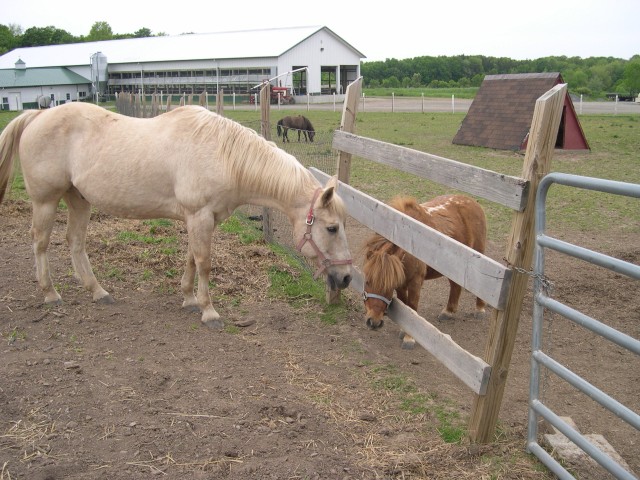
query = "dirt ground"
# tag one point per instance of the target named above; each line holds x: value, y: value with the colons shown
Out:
x: 139, y: 389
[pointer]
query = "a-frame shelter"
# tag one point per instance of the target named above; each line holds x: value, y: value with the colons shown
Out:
x: 500, y: 115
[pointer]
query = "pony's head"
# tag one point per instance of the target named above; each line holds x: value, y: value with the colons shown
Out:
x: 383, y: 273
x: 321, y: 236
x: 311, y: 132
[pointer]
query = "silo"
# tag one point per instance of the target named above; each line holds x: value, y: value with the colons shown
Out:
x: 99, y: 73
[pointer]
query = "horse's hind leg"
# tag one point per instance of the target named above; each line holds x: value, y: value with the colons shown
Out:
x: 41, y: 226
x: 452, y: 305
x: 200, y: 227
x: 78, y: 220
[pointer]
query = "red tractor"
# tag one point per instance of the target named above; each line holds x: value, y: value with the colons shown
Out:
x: 283, y: 95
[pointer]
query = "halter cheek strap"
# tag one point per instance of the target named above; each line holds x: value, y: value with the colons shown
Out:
x: 323, y: 262
x: 367, y: 295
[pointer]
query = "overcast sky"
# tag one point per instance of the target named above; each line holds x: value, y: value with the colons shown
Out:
x: 500, y: 28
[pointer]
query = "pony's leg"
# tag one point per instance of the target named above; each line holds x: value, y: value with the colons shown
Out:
x: 200, y: 227
x: 452, y: 305
x: 187, y: 283
x: 41, y: 226
x: 480, y: 312
x: 78, y: 220
x: 410, y: 298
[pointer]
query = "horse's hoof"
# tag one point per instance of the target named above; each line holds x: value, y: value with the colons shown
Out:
x: 214, y: 324
x: 106, y: 300
x: 53, y: 303
x: 191, y: 308
x: 480, y: 315
x: 408, y: 345
x: 401, y: 335
x: 443, y: 317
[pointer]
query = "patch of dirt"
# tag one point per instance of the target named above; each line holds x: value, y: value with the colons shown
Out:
x: 140, y: 389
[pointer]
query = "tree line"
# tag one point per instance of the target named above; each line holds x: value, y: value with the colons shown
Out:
x: 12, y: 36
x: 592, y: 77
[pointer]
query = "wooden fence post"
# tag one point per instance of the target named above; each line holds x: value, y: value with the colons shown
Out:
x: 348, y: 124
x: 265, y: 130
x: 504, y: 323
x: 220, y: 104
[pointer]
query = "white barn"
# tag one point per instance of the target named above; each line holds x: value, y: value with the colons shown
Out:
x: 310, y: 60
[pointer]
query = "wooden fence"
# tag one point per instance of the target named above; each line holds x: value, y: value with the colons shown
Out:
x: 502, y: 287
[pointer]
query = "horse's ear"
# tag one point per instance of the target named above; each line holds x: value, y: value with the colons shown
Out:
x: 329, y: 190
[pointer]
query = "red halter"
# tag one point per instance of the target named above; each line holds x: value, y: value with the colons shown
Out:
x: 323, y: 262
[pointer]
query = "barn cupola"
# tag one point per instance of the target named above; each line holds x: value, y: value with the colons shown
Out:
x: 20, y: 65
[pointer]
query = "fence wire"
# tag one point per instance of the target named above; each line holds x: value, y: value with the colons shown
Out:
x: 318, y: 154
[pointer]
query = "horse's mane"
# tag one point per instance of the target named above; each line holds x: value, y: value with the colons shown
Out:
x: 307, y: 124
x: 382, y: 268
x: 253, y: 163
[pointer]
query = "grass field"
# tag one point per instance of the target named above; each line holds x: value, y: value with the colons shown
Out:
x: 614, y: 142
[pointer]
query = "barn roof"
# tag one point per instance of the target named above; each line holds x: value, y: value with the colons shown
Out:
x: 35, y: 77
x: 271, y: 42
x: 500, y: 115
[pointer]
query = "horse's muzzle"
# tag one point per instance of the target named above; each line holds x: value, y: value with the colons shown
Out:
x: 338, y: 282
x: 374, y: 324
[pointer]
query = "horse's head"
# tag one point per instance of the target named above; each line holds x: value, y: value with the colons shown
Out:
x: 383, y: 273
x: 322, y: 236
x: 311, y: 134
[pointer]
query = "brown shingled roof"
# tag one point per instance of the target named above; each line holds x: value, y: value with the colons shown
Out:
x: 501, y: 113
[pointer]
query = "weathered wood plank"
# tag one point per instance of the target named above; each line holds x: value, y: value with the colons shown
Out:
x: 502, y: 189
x: 477, y: 273
x: 471, y: 370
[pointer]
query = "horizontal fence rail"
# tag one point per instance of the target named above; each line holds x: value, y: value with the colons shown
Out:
x: 473, y: 271
x: 505, y: 190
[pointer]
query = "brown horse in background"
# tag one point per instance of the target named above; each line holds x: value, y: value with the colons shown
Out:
x: 389, y: 268
x: 300, y: 123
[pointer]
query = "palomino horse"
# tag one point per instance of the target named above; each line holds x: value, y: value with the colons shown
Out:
x: 189, y: 164
x: 387, y: 267
x: 300, y: 123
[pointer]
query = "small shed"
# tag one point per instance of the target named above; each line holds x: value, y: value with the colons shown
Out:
x: 501, y: 113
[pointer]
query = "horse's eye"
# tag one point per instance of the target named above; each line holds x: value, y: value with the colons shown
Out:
x: 332, y: 229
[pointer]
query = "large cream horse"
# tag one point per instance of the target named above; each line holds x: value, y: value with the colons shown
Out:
x: 388, y: 268
x: 188, y: 164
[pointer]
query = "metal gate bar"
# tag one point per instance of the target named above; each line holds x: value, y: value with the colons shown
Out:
x: 542, y: 302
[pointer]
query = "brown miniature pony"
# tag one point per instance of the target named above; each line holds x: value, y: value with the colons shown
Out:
x: 300, y: 123
x: 389, y: 268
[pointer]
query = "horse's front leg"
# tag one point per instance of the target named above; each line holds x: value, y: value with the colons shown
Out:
x: 187, y: 283
x: 409, y: 298
x: 200, y: 227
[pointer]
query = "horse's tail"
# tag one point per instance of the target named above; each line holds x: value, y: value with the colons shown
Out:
x: 9, y: 142
x: 279, y: 127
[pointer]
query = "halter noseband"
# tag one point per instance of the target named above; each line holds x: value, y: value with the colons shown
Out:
x: 366, y: 295
x: 323, y: 262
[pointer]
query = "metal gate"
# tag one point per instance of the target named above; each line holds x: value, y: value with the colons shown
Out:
x: 543, y: 302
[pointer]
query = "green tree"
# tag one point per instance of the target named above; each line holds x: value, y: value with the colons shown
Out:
x: 37, y: 36
x: 631, y: 76
x: 7, y: 39
x: 142, y: 33
x: 100, y: 31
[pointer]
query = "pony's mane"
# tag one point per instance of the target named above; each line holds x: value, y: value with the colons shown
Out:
x: 253, y: 163
x: 307, y: 124
x: 382, y: 269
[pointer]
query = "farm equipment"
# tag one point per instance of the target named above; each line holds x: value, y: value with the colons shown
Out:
x: 283, y: 95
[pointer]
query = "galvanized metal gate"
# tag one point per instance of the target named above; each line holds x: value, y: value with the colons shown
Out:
x: 542, y: 302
